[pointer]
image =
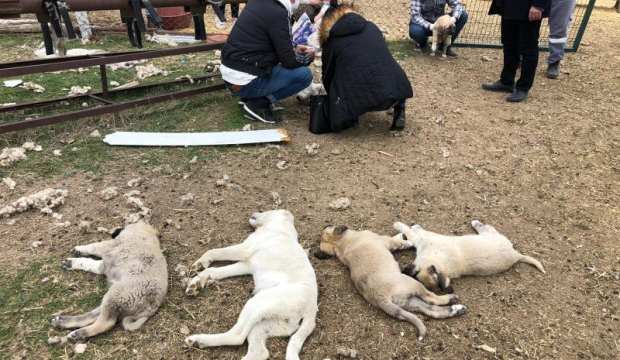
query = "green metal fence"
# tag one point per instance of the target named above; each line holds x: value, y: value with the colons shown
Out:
x: 483, y: 30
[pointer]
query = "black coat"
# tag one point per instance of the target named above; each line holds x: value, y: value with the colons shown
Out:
x: 359, y: 72
x: 260, y: 39
x: 518, y: 9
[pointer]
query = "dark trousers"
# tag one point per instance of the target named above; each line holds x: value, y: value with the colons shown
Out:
x: 520, y: 40
x: 220, y: 11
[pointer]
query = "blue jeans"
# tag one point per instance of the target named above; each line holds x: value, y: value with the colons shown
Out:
x: 280, y: 84
x: 420, y: 34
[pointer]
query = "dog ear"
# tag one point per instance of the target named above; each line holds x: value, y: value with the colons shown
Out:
x: 340, y: 229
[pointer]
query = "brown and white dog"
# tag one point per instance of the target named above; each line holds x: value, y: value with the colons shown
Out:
x: 442, y: 29
x: 440, y: 258
x: 378, y: 278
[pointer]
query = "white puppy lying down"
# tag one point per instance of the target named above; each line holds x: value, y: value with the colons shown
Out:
x: 137, y: 274
x: 313, y: 89
x: 440, y: 258
x: 285, y: 290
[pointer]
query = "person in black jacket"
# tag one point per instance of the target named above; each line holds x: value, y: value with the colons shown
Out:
x: 520, y: 32
x: 359, y: 73
x: 259, y: 63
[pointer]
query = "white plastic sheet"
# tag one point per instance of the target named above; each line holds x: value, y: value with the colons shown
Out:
x: 196, y: 139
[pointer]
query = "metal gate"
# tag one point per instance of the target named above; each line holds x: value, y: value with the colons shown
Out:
x: 483, y: 30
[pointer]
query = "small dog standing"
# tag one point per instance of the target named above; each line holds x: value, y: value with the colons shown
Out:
x: 440, y: 258
x: 137, y: 274
x: 442, y: 29
x: 378, y: 278
x: 285, y: 291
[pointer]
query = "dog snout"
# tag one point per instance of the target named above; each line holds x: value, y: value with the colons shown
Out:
x: 321, y: 255
x: 411, y: 271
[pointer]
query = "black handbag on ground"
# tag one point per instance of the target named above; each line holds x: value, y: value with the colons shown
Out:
x: 319, y: 119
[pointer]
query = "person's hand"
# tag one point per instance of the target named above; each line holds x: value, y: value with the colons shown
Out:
x: 535, y: 14
x: 432, y: 27
x: 313, y: 2
x: 304, y: 49
x: 452, y: 21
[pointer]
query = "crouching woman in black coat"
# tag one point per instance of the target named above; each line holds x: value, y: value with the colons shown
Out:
x: 359, y: 73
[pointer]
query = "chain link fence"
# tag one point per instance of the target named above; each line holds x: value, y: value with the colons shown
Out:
x: 482, y: 30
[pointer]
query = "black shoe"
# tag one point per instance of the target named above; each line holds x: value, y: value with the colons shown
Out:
x: 276, y: 108
x: 260, y: 110
x: 517, y: 96
x: 399, y: 120
x: 426, y: 49
x: 553, y: 71
x: 498, y: 86
x: 451, y: 53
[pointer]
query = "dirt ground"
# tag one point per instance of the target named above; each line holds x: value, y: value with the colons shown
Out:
x: 545, y: 173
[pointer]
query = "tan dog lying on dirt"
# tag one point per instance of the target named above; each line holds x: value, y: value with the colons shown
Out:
x: 378, y: 278
x: 443, y: 28
x: 284, y: 301
x: 440, y: 258
x: 137, y: 273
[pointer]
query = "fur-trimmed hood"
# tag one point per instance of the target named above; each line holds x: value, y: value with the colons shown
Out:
x: 331, y: 25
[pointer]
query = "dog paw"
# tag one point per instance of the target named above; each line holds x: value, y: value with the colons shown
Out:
x: 66, y: 264
x: 193, y: 287
x: 400, y: 227
x: 457, y: 310
x: 416, y: 227
x: 453, y: 299
x: 192, y: 341
x: 476, y: 224
x: 56, y: 322
x: 76, y: 336
x: 199, y: 265
x: 76, y: 252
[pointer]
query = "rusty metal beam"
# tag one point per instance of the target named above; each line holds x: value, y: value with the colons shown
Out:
x: 58, y: 64
x: 106, y: 109
x: 14, y: 7
x: 36, y: 104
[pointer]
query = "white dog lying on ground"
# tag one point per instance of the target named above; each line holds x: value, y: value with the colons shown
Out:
x: 313, y: 90
x: 285, y: 292
x: 137, y: 273
x: 440, y: 258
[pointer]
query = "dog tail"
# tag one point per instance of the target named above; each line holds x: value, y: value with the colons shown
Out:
x: 296, y: 342
x: 401, y: 314
x: 530, y: 260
